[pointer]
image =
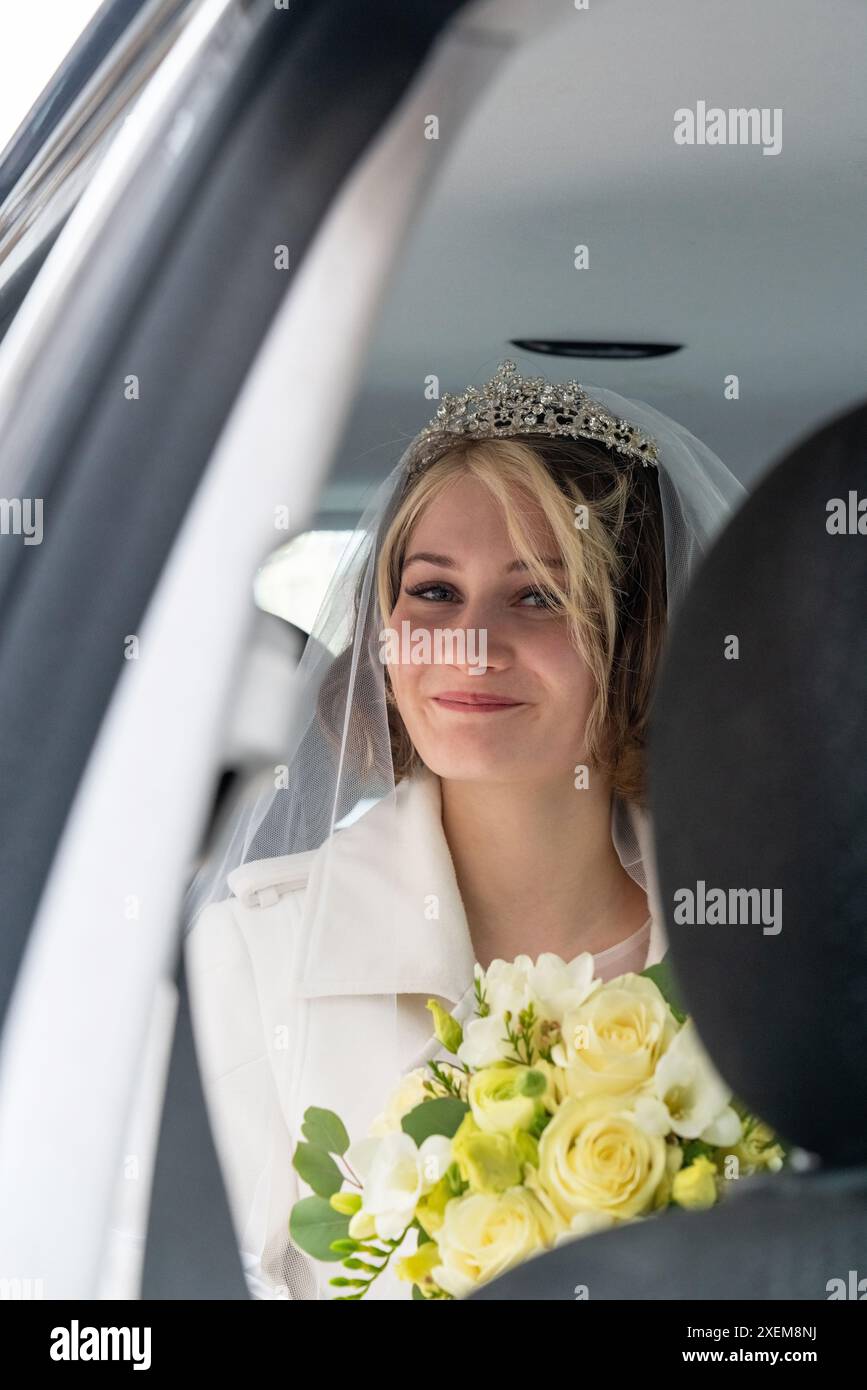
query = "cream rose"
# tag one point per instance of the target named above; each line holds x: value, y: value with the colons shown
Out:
x: 409, y: 1093
x: 483, y: 1235
x: 613, y: 1041
x: 594, y: 1156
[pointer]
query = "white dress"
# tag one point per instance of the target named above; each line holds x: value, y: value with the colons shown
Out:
x: 272, y: 1043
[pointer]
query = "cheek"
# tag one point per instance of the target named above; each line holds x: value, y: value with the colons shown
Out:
x: 406, y: 676
x: 403, y: 675
x: 565, y: 674
x: 417, y: 614
x: 404, y: 682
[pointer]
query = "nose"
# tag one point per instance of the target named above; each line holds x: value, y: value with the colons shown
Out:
x: 487, y: 643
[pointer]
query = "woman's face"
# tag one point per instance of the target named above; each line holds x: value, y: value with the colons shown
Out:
x: 523, y: 718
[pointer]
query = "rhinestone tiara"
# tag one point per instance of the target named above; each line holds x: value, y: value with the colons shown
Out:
x: 511, y: 404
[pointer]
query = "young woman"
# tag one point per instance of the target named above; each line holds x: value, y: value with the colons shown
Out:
x: 468, y: 780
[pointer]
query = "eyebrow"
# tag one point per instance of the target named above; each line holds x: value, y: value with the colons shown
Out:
x: 446, y: 562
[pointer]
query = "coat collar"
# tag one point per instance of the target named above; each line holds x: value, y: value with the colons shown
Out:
x: 383, y: 913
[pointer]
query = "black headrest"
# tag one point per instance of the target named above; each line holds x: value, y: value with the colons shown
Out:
x: 758, y: 780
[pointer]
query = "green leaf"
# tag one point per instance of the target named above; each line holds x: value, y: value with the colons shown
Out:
x: 663, y: 979
x: 318, y: 1169
x: 314, y: 1224
x: 417, y: 1293
x: 441, y: 1116
x: 325, y: 1130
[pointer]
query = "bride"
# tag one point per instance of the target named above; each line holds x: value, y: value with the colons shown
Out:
x: 437, y: 813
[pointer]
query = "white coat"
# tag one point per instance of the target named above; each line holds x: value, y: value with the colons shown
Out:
x: 273, y: 1040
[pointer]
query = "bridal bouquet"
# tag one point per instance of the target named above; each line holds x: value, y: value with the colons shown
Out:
x: 571, y: 1105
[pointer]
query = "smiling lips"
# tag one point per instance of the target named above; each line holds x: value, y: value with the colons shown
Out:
x: 466, y: 703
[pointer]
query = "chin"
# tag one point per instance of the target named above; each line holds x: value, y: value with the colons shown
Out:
x: 481, y: 765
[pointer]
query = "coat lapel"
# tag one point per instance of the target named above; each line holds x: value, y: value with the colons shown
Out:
x: 382, y: 912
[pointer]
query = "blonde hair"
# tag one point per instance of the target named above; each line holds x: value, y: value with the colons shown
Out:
x: 612, y: 590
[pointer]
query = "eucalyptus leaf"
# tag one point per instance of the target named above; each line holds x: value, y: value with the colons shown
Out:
x: 314, y: 1224
x: 440, y: 1116
x: 318, y: 1169
x: 325, y: 1130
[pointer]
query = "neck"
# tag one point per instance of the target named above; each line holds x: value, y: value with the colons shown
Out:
x: 537, y: 868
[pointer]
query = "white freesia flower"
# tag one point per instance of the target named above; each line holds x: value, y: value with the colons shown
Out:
x: 652, y: 1115
x: 508, y: 985
x: 693, y: 1093
x: 485, y: 1042
x: 559, y: 986
x: 506, y: 989
x: 551, y: 984
x: 395, y: 1173
x: 724, y: 1130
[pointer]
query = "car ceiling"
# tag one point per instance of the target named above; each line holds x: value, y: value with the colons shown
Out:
x: 754, y: 263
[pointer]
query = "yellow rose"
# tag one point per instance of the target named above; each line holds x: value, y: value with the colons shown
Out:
x: 484, y: 1235
x: 612, y: 1042
x: 593, y: 1156
x: 695, y: 1187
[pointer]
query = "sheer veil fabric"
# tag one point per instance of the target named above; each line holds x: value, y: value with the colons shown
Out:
x: 331, y: 777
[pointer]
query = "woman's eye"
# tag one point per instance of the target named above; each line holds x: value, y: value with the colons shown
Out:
x: 541, y: 598
x: 441, y: 592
